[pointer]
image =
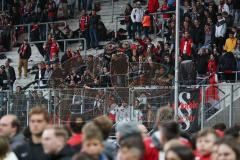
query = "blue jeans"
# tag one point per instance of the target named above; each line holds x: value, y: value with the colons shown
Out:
x: 137, y: 26
x: 236, y: 15
x: 72, y: 9
x: 93, y: 37
x: 89, y: 5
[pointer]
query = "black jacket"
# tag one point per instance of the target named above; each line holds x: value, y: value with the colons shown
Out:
x: 27, y: 54
x: 42, y: 75
x: 12, y: 74
x: 3, y: 81
x: 65, y: 154
x: 30, y: 151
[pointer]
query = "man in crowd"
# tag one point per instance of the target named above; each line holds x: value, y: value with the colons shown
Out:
x: 84, y: 27
x: 24, y: 54
x: 11, y: 76
x: 137, y: 16
x: 32, y: 149
x: 54, y: 143
x: 39, y: 77
x: 10, y: 127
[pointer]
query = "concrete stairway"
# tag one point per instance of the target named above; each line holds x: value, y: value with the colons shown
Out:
x: 222, y: 116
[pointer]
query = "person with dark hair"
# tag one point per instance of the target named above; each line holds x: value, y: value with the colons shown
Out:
x: 24, y: 54
x: 76, y: 124
x: 179, y: 153
x: 82, y: 156
x: 10, y: 127
x: 228, y: 148
x: 220, y: 126
x: 11, y: 76
x: 128, y: 20
x: 93, y: 23
x: 131, y: 147
x: 146, y: 22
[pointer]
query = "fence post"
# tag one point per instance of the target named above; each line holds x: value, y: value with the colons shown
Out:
x: 82, y: 99
x: 202, y: 106
x: 231, y: 107
x: 8, y: 101
x: 104, y: 102
x: 116, y: 27
x: 28, y: 107
x: 236, y: 76
x: 49, y: 101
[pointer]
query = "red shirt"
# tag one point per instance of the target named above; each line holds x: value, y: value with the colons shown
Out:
x: 151, y: 152
x: 83, y: 22
x: 54, y: 49
x: 153, y: 6
x: 76, y: 139
x: 189, y: 43
x: 165, y: 8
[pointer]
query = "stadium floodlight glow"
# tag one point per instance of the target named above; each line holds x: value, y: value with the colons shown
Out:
x: 176, y: 82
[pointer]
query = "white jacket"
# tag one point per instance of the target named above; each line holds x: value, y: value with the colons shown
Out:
x: 220, y: 28
x: 137, y: 15
x: 11, y: 156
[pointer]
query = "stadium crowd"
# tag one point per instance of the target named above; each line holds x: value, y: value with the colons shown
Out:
x: 209, y: 48
x: 92, y: 140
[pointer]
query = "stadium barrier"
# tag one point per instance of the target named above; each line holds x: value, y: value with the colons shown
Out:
x: 199, y: 106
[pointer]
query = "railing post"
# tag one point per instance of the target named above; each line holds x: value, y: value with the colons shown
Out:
x: 155, y: 26
x: 85, y: 48
x: 65, y: 46
x: 236, y: 76
x: 202, y: 106
x: 231, y: 107
x: 29, y: 32
x: 46, y: 31
x: 112, y: 10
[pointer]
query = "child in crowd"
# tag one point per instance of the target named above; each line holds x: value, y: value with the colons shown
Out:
x: 204, y: 144
x: 93, y: 142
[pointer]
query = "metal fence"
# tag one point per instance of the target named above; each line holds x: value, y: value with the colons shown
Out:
x: 199, y: 106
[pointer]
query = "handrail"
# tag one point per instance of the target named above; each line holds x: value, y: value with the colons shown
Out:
x: 65, y: 43
x: 46, y: 24
x: 226, y: 96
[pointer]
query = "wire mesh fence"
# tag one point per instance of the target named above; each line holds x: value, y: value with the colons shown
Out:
x: 199, y: 106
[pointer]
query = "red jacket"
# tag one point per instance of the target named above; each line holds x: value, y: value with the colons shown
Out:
x: 165, y: 7
x: 153, y: 6
x: 151, y: 152
x: 76, y: 139
x: 84, y: 22
x: 54, y: 50
x: 188, y: 48
x: 212, y: 66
